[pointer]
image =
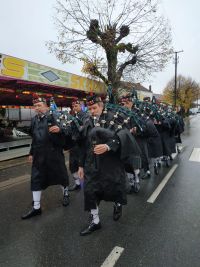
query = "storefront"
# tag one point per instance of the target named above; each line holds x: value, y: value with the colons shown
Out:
x: 19, y: 79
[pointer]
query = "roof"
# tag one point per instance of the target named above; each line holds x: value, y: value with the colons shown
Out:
x: 137, y: 86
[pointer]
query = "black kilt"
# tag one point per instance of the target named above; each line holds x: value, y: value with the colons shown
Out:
x: 101, y: 184
x: 48, y: 168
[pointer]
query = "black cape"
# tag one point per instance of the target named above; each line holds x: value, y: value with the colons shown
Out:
x: 105, y: 177
x: 48, y: 167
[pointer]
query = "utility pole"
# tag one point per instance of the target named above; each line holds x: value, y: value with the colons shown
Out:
x: 175, y: 79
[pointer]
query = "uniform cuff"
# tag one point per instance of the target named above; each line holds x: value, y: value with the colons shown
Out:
x: 108, y: 148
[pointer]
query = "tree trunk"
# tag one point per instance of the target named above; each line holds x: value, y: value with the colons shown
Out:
x: 112, y: 72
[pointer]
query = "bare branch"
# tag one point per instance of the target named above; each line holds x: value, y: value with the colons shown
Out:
x: 116, y: 31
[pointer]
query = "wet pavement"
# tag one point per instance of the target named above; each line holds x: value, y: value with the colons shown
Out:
x: 165, y: 233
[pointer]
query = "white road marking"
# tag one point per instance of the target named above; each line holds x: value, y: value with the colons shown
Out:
x: 195, y: 156
x: 162, y: 184
x: 113, y: 257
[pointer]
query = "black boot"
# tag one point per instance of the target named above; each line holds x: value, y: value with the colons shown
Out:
x: 117, y: 212
x: 146, y: 175
x: 31, y: 213
x: 136, y: 187
x: 167, y: 162
x: 75, y: 187
x: 156, y: 168
x: 130, y: 190
x: 65, y: 200
x: 90, y: 228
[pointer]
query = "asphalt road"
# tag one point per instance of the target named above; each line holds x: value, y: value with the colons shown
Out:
x: 165, y: 233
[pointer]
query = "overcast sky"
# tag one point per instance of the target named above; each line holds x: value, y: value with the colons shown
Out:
x: 25, y: 26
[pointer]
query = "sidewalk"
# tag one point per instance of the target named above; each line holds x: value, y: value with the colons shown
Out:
x: 14, y: 153
x: 14, y: 149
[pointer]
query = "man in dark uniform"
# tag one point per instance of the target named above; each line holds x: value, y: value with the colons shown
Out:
x: 167, y: 136
x: 179, y: 128
x: 154, y: 142
x: 141, y: 139
x: 102, y: 164
x: 133, y: 178
x: 46, y: 155
x: 75, y: 150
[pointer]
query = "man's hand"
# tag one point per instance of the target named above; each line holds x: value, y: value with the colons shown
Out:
x: 80, y: 173
x: 100, y: 149
x: 30, y: 158
x: 54, y: 129
x: 157, y: 122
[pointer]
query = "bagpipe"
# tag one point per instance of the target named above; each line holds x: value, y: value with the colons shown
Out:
x: 159, y: 112
x: 114, y: 116
x: 125, y: 116
x: 156, y: 111
x: 164, y: 115
x: 113, y: 119
x: 70, y: 125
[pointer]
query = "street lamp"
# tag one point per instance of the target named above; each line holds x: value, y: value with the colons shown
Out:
x: 175, y: 80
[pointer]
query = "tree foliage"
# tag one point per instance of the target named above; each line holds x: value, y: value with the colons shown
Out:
x: 115, y: 39
x: 187, y: 92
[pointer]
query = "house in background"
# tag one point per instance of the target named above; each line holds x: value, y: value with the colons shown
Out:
x: 127, y: 87
x: 158, y: 97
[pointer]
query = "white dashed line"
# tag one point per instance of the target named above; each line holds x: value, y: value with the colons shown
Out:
x: 162, y: 184
x: 113, y: 257
x: 195, y: 156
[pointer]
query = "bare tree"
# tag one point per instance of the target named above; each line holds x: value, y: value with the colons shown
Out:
x: 116, y: 39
